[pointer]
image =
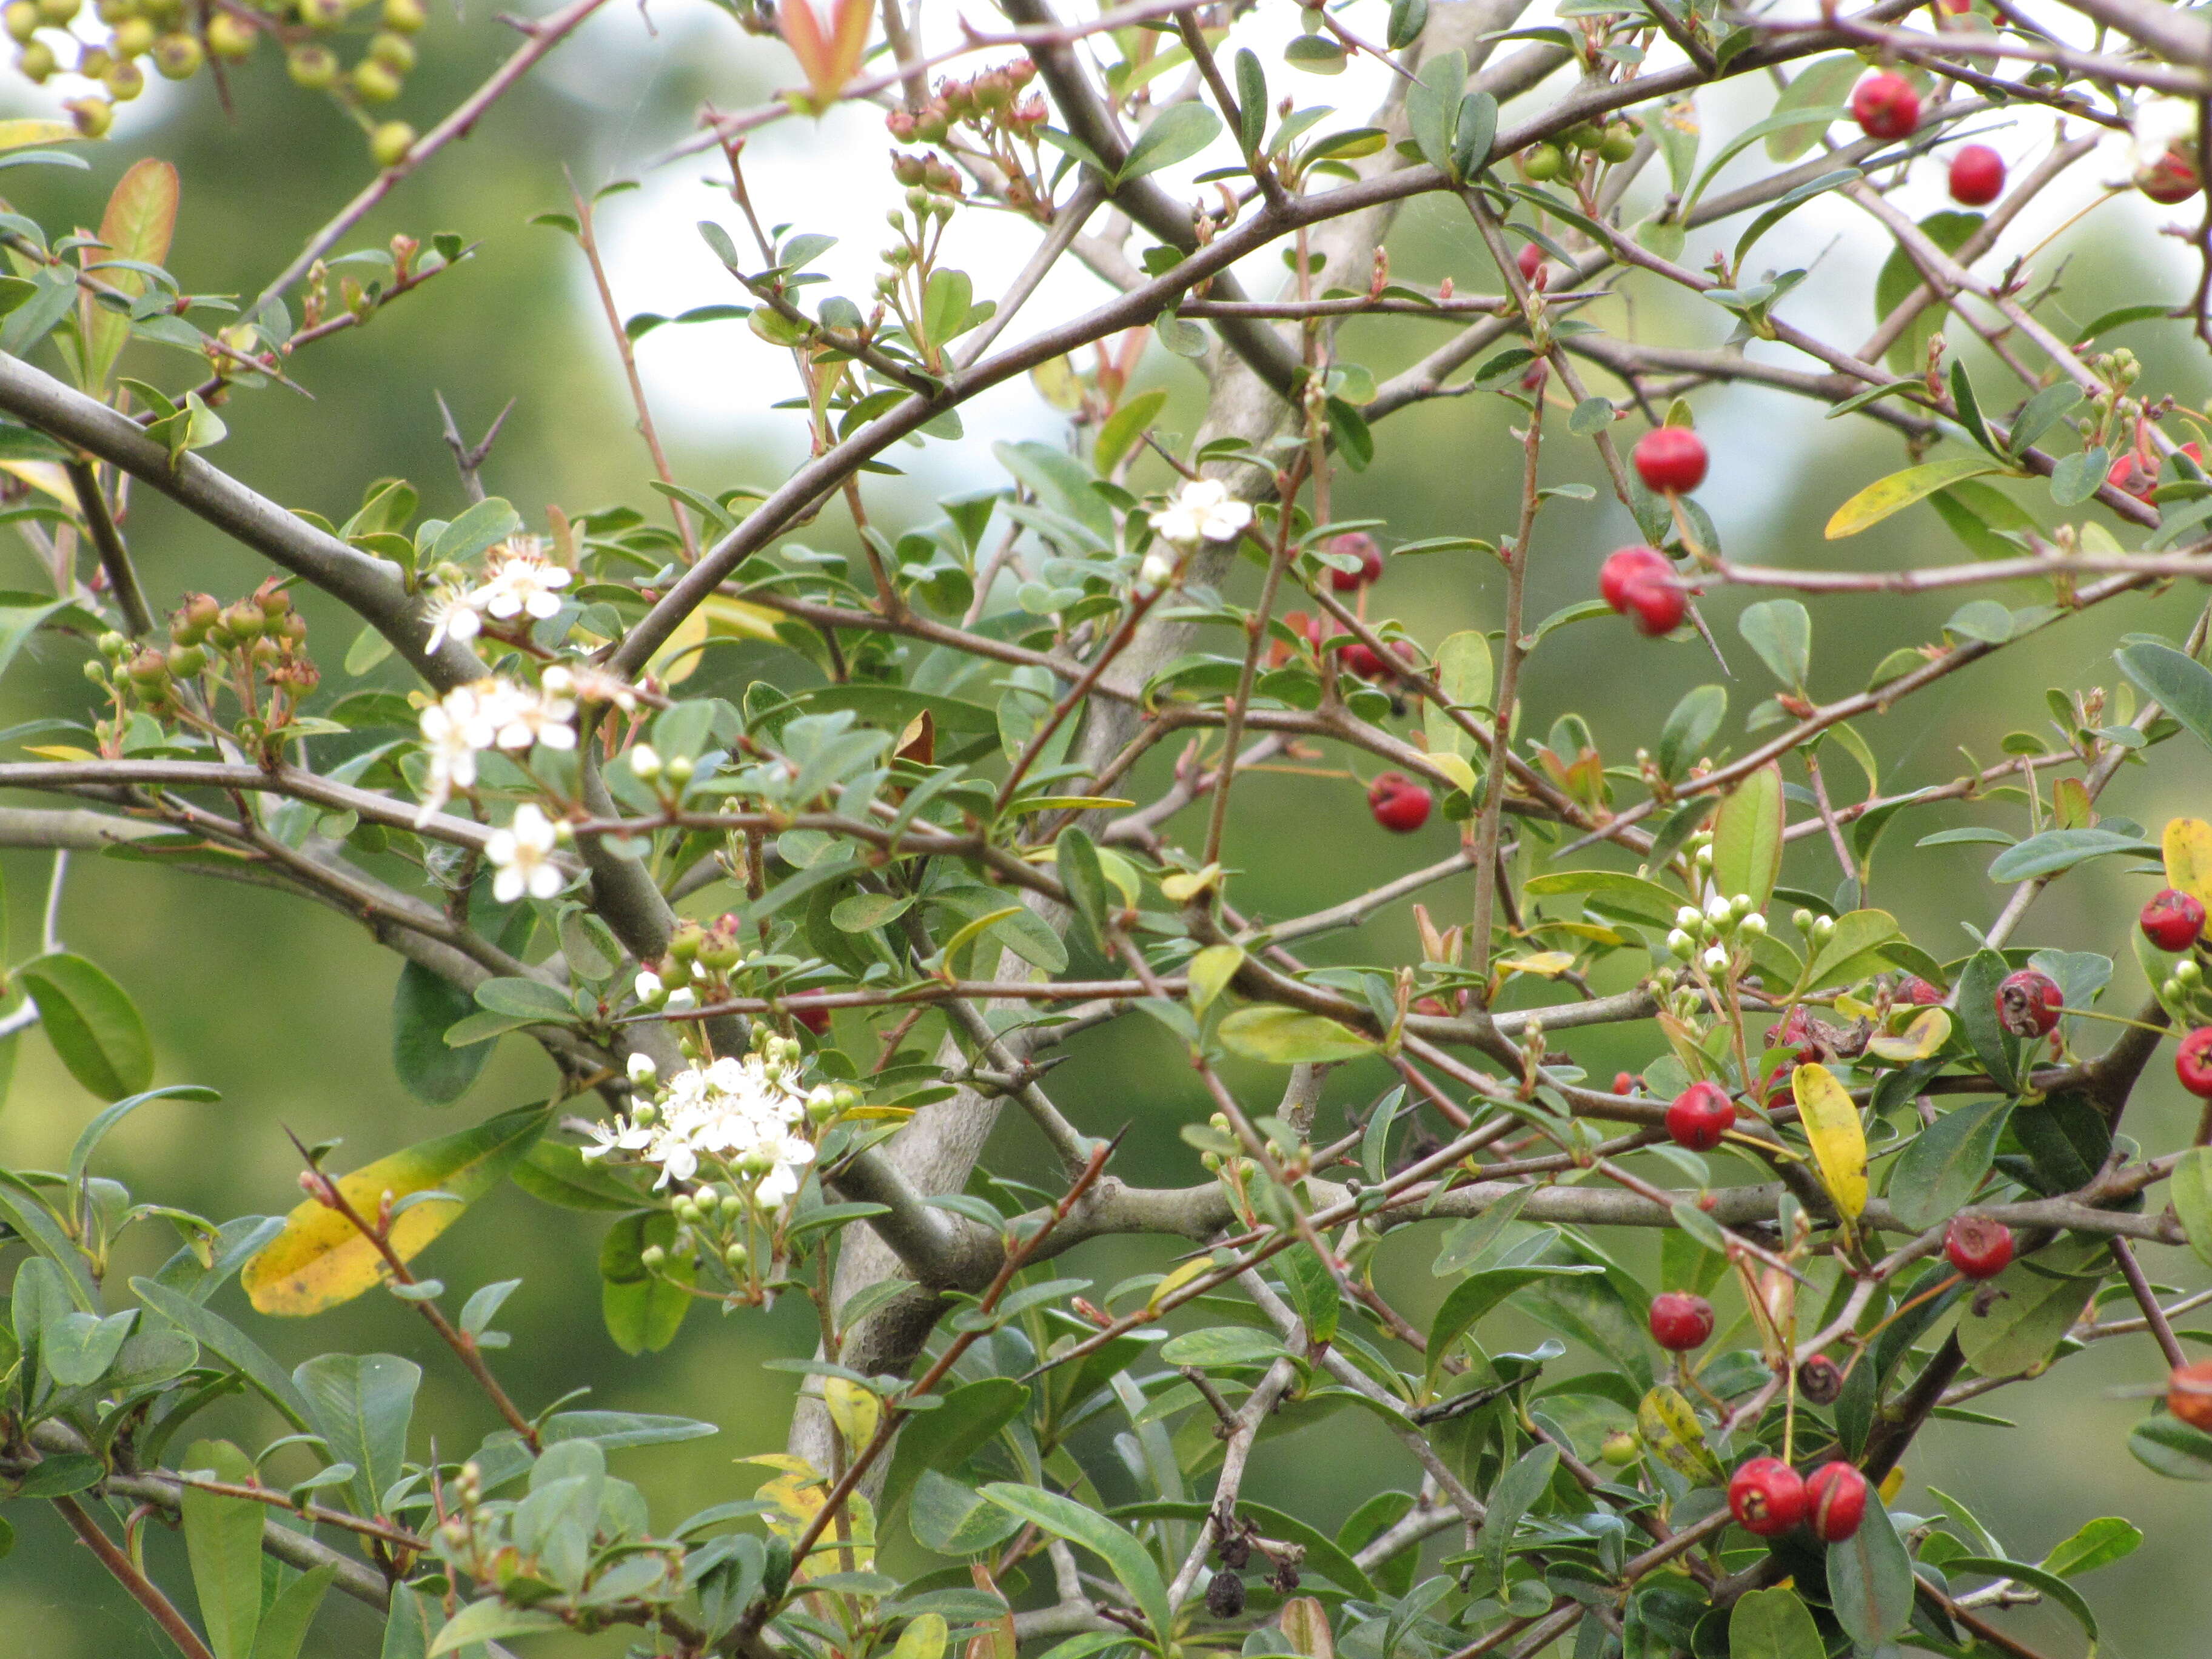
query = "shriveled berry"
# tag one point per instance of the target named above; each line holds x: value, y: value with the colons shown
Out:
x: 1918, y: 991
x: 1700, y: 1116
x: 2029, y: 1003
x: 1398, y: 803
x: 1638, y: 582
x: 1355, y: 544
x: 2173, y: 920
x: 1977, y: 1247
x: 1670, y: 459
x: 1680, y: 1321
x: 1820, y: 1380
x: 2193, y: 1063
x: 1836, y: 1499
x: 1224, y: 1594
x: 1978, y: 175
x: 2173, y: 178
x: 1885, y: 106
x: 2188, y: 1394
x: 1767, y: 1497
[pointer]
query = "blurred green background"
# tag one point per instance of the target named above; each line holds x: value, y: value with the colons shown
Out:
x: 284, y: 1007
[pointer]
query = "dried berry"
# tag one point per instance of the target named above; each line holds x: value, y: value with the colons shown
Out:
x: 1224, y: 1594
x: 2029, y: 1003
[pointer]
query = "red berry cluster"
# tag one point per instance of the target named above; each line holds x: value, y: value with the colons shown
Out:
x: 1768, y: 1497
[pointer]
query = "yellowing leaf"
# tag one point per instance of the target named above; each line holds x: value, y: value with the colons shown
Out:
x: 924, y: 1637
x: 59, y: 751
x: 1188, y: 885
x: 1900, y: 490
x: 1927, y: 1031
x: 139, y: 223
x: 1284, y: 1037
x: 1671, y: 1432
x: 321, y: 1260
x: 854, y: 1409
x: 1892, y: 1484
x: 1547, y: 964
x: 2187, y: 845
x: 46, y: 476
x: 1210, y: 971
x: 1832, y: 1124
x: 1304, y: 1624
x: 16, y: 134
x: 1057, y: 383
x: 1176, y: 1279
x: 1455, y: 768
x: 718, y: 618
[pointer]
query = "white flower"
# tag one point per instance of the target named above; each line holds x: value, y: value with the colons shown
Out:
x: 451, y: 731
x: 624, y: 1136
x: 1157, y: 571
x: 588, y: 685
x: 525, y: 717
x: 739, y: 1114
x: 522, y: 853
x: 453, y: 617
x: 1201, y: 512
x: 681, y: 1000
x: 650, y: 990
x: 520, y: 579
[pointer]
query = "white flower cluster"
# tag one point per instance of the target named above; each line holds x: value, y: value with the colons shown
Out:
x: 519, y: 581
x: 522, y: 855
x: 744, y: 1115
x: 487, y: 714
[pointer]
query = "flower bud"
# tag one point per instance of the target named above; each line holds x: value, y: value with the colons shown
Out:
x: 644, y: 1115
x: 1689, y: 918
x: 644, y: 762
x: 652, y: 993
x: 1824, y: 929
x: 653, y: 1258
x: 643, y: 1073
x: 1703, y: 858
x: 1716, y: 960
x: 678, y: 769
x: 737, y: 1256
x: 1680, y: 945
x: 2187, y: 971
x: 680, y: 1001
x: 1717, y: 911
x: 1754, y: 923
x: 1801, y: 921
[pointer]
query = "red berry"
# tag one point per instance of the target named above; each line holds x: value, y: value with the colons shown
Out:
x: 1794, y: 1032
x: 1919, y: 992
x: 1767, y: 1497
x: 1957, y: 8
x: 1638, y: 581
x: 1885, y: 106
x: 1533, y: 269
x: 2172, y: 920
x: 2188, y: 1394
x: 2171, y: 179
x: 1680, y: 1321
x: 1978, y: 175
x: 814, y: 1016
x: 1977, y: 1247
x: 2029, y: 1003
x: 1670, y: 459
x: 1358, y: 545
x: 2193, y: 1064
x: 1836, y: 1499
x: 1399, y: 802
x: 1626, y: 1083
x: 1699, y: 1116
x: 1359, y: 659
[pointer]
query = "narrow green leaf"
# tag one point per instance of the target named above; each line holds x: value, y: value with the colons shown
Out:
x: 223, y: 1538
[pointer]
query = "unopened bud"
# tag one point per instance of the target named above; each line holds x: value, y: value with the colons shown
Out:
x: 644, y: 762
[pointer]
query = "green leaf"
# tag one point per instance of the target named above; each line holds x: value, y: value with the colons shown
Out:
x: 77, y: 1348
x: 1477, y: 1294
x: 1871, y: 1579
x: 96, y: 1131
x: 1858, y: 933
x: 2031, y: 1305
x: 2191, y: 1193
x: 1511, y: 1497
x: 424, y: 1008
x: 1223, y: 1345
x: 1689, y: 729
x: 222, y: 1537
x: 284, y: 1626
x: 1432, y: 106
x: 489, y: 1621
x: 2055, y: 850
x: 1944, y: 1166
x: 1463, y: 673
x: 2095, y: 1544
x: 1747, y: 837
x: 228, y: 1343
x: 1774, y: 1623
x: 1175, y: 134
x: 863, y: 913
x: 2182, y: 685
x: 1120, y: 431
x: 1312, y: 1290
x: 482, y: 525
x: 1076, y: 857
x: 643, y: 1310
x: 1899, y: 278
x: 525, y: 999
x: 1976, y: 1007
x: 321, y: 1260
x: 943, y: 1439
x: 2168, y: 1446
x: 1063, y: 1517
x: 1285, y: 1037
x: 91, y: 1021
x: 2049, y: 1583
x: 954, y: 1519
x: 1900, y: 490
x: 1821, y: 87
x: 361, y: 1404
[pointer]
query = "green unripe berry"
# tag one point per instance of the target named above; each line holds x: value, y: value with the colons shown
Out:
x: 322, y: 14
x: 36, y: 61
x: 1544, y: 162
x: 133, y: 38
x: 687, y: 1209
x: 58, y: 12
x: 124, y: 80
x: 2187, y: 971
x: 231, y: 39
x: 149, y: 669
x: 113, y: 646
x: 653, y: 1258
x: 1584, y: 135
x: 395, y: 51
x: 22, y: 19
x: 186, y: 660
x: 389, y: 145
x: 373, y: 83
x: 92, y: 116
x: 2170, y: 990
x: 244, y: 620
x: 315, y: 68
x: 1617, y: 145
x: 178, y: 56
x: 113, y: 12
x: 683, y: 943
x: 406, y: 16
x: 1620, y: 1448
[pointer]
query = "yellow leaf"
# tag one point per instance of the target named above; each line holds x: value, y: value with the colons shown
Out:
x: 854, y: 1409
x: 44, y: 475
x: 1832, y: 1124
x: 1548, y: 965
x: 1927, y: 1031
x: 1304, y: 1624
x: 321, y: 1258
x: 1900, y: 490
x: 2188, y: 848
x: 1892, y: 1484
x: 718, y: 618
x: 16, y: 135
x: 1176, y: 1279
x: 1056, y: 383
x: 1210, y: 970
x: 1188, y: 885
x: 1455, y: 768
x: 59, y: 751
x: 1670, y: 1429
x: 924, y: 1637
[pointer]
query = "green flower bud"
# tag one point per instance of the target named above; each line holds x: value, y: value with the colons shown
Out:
x: 388, y: 146
x: 1801, y: 921
x: 653, y: 1258
x: 96, y: 673
x: 2188, y: 972
x: 395, y: 51
x: 373, y: 83
x: 737, y: 1257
